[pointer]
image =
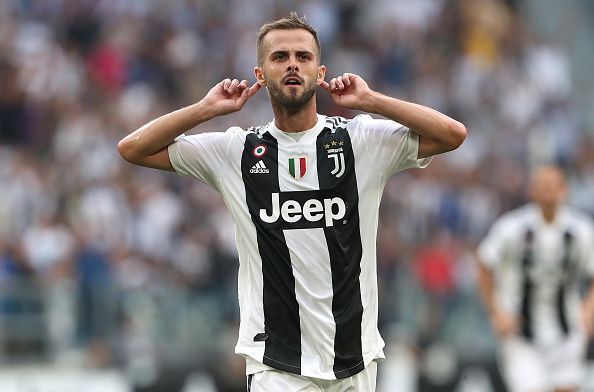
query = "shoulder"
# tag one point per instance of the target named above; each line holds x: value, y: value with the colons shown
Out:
x: 364, y: 123
x: 258, y: 130
x: 579, y: 220
x: 515, y: 221
x: 337, y: 122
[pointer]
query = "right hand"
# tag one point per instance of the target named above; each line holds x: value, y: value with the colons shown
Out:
x: 229, y: 96
x: 504, y: 324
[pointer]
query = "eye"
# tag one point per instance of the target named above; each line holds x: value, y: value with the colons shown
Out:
x: 304, y: 56
x: 279, y: 56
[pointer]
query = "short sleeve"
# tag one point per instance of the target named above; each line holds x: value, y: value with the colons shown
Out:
x: 586, y: 249
x: 394, y: 146
x: 202, y: 156
x: 492, y: 249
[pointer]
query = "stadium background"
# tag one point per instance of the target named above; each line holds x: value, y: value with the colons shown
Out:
x: 115, y: 278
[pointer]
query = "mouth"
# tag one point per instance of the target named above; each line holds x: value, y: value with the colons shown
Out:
x: 293, y: 81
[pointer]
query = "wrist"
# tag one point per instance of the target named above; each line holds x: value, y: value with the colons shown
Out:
x: 369, y: 103
x: 203, y: 111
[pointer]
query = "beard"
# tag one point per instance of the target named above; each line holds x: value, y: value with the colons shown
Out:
x: 292, y: 101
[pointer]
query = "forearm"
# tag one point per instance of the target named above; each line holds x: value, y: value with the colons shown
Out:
x: 423, y: 120
x: 486, y: 288
x: 159, y: 133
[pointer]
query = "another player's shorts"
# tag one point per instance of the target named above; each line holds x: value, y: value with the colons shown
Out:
x: 276, y: 380
x: 528, y: 367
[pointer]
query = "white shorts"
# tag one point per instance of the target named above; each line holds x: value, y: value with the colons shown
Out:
x: 528, y: 367
x: 276, y: 380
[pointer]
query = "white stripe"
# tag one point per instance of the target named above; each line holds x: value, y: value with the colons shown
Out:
x: 297, y: 168
x: 372, y: 342
x: 250, y: 282
x: 311, y: 268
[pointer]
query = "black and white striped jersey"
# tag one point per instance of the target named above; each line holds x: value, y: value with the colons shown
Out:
x: 537, y: 266
x: 306, y: 215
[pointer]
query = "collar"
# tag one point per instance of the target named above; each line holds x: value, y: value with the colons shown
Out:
x: 309, y: 135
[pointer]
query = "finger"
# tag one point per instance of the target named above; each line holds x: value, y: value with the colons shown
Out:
x: 248, y: 93
x: 254, y: 89
x: 243, y: 85
x: 226, y: 84
x: 339, y: 83
x: 333, y: 84
x: 325, y: 85
x: 346, y: 78
x: 233, y: 86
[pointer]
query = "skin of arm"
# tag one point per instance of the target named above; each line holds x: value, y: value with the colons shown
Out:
x: 438, y: 132
x: 588, y: 310
x: 503, y: 324
x: 147, y: 146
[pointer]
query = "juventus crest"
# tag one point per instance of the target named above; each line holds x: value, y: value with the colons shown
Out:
x: 335, y: 152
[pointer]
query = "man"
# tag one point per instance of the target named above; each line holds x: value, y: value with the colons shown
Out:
x: 304, y: 193
x: 529, y: 267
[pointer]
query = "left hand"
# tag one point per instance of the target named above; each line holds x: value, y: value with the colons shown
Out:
x: 349, y: 91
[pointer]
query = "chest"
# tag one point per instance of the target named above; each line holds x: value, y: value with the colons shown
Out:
x: 546, y: 253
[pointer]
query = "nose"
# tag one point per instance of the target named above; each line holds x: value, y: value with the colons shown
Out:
x: 293, y: 65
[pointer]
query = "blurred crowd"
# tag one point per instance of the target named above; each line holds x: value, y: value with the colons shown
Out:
x: 105, y: 264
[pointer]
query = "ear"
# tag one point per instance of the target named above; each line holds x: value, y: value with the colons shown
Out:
x: 260, y: 76
x: 321, y: 74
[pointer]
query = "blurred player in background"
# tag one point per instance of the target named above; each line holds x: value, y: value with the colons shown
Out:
x: 304, y: 193
x: 530, y: 267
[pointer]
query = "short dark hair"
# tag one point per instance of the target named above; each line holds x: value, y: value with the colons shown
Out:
x: 292, y: 22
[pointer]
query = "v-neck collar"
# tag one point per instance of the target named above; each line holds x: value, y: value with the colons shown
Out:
x: 309, y: 136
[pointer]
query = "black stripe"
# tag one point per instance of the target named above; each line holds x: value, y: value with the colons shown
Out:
x: 249, y: 382
x: 565, y: 278
x: 527, y: 286
x: 281, y: 310
x: 344, y: 245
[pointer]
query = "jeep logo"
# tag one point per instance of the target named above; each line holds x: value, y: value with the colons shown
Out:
x: 312, y: 210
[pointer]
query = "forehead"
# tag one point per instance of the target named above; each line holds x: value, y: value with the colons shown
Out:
x: 295, y: 39
x: 548, y: 175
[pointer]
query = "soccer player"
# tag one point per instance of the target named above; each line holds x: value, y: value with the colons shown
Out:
x: 304, y: 193
x: 529, y: 268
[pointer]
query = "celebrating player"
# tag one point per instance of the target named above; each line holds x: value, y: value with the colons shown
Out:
x: 529, y: 267
x: 304, y: 193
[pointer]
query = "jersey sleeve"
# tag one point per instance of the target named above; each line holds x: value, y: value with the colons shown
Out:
x: 586, y: 249
x: 393, y: 146
x: 493, y: 248
x: 202, y: 156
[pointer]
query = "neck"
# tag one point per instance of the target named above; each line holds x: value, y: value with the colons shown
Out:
x: 289, y: 120
x: 548, y: 213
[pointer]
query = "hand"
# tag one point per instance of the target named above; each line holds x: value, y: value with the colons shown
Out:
x: 504, y: 324
x: 349, y: 91
x: 229, y: 96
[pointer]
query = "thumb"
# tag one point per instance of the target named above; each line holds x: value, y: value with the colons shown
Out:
x: 325, y: 85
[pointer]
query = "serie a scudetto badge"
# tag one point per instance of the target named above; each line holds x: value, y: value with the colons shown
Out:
x: 297, y: 167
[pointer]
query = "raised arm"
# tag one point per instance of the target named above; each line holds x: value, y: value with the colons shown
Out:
x: 438, y: 132
x: 147, y: 146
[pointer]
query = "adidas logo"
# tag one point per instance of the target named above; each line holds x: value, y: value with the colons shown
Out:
x: 259, y: 167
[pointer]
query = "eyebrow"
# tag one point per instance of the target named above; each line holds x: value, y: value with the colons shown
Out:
x: 298, y: 52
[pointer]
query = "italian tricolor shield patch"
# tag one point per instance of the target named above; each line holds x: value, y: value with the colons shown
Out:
x: 297, y: 167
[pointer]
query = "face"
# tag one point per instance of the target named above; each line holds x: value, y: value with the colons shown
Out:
x: 547, y: 187
x: 290, y: 67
